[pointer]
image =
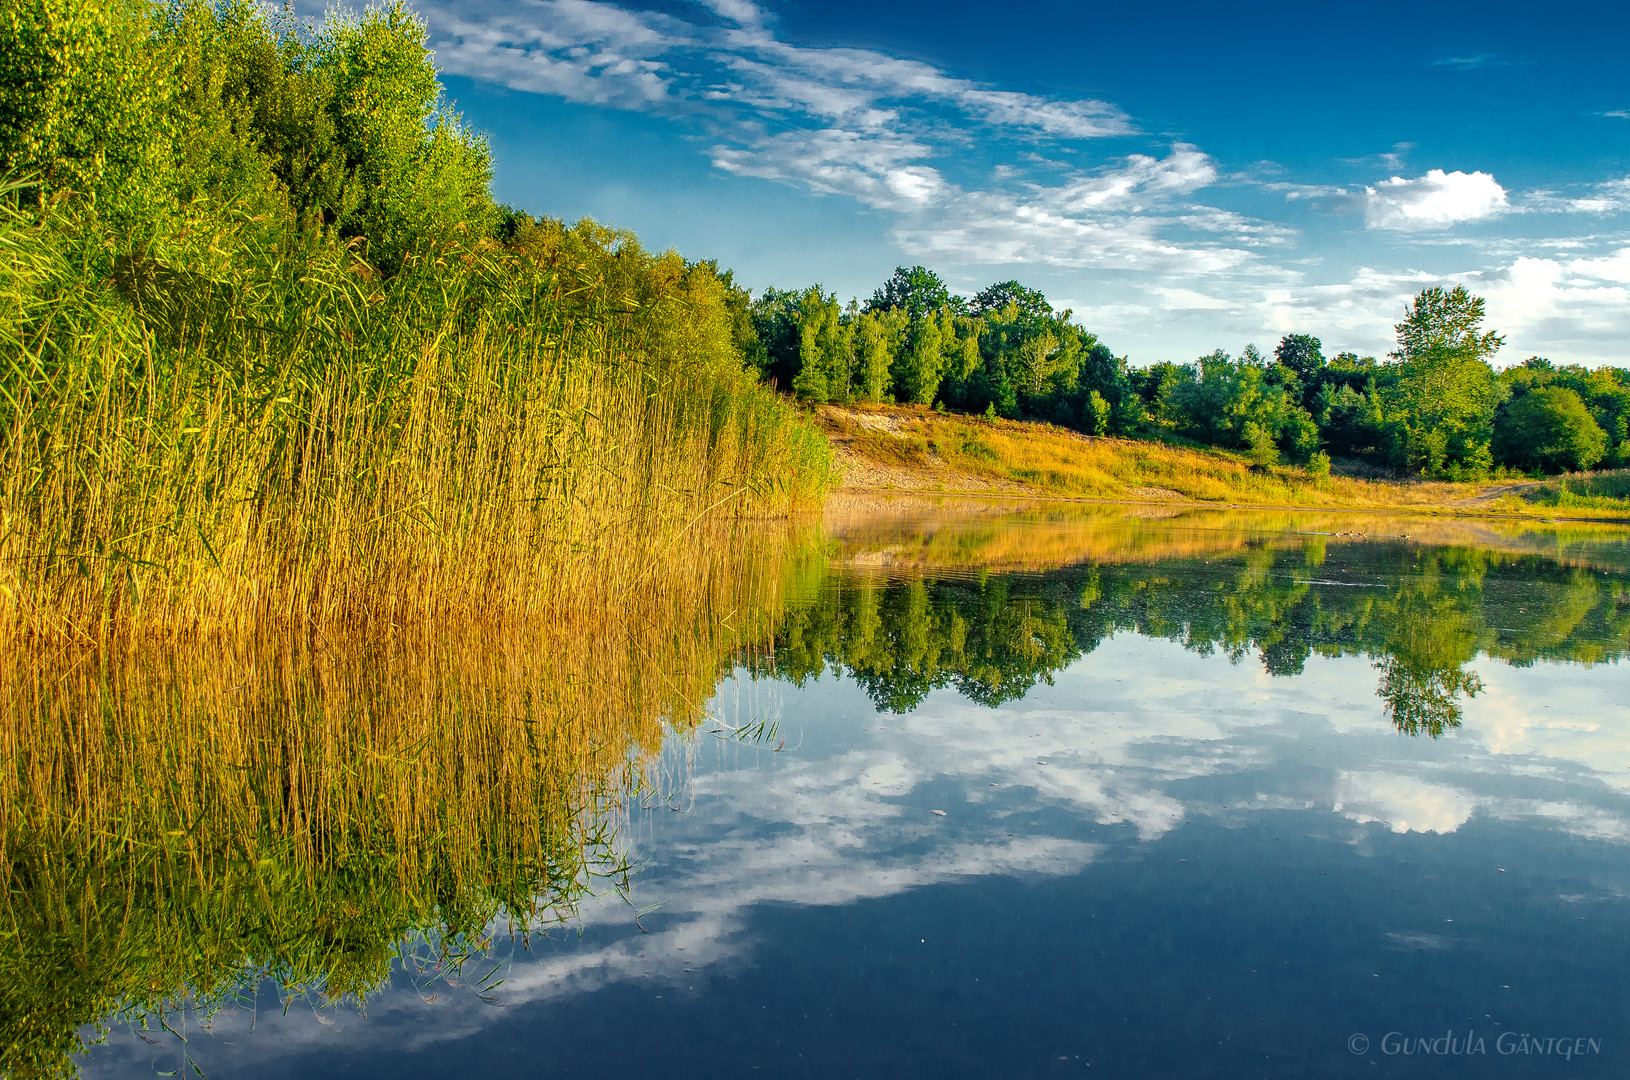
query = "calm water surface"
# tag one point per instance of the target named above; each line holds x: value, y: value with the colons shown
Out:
x: 1043, y: 796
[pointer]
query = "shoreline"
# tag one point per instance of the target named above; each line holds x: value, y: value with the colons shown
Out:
x: 1400, y: 510
x: 902, y: 450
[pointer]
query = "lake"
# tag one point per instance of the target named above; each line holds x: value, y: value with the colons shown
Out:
x: 923, y: 791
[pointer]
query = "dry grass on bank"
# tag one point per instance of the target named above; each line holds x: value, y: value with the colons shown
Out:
x: 916, y: 450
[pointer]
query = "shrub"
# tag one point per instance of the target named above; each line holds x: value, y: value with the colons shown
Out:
x: 1549, y: 430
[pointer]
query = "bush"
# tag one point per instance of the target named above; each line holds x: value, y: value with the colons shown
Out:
x: 1549, y: 430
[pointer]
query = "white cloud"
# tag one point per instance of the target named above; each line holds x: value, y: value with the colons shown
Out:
x: 1574, y: 310
x: 1608, y: 197
x: 740, y: 12
x: 876, y: 168
x: 599, y: 53
x: 1119, y: 217
x: 1067, y: 119
x: 1479, y: 61
x: 1140, y: 180
x: 859, y: 123
x: 1433, y: 201
x: 1402, y: 803
x: 1177, y: 299
x: 593, y: 53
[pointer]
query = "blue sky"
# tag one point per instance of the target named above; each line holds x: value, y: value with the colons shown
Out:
x: 1182, y: 177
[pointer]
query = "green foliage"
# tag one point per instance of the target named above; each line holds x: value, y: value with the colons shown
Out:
x: 255, y: 313
x: 1445, y: 402
x: 1352, y: 422
x: 1096, y: 421
x: 204, y: 116
x: 877, y: 338
x: 1549, y: 430
x: 825, y: 349
x: 83, y: 103
x: 414, y: 174
x: 1239, y: 405
x: 1302, y: 356
x: 1432, y: 409
x: 1442, y: 393
x: 1605, y: 393
x: 920, y: 362
x: 917, y: 291
x: 1443, y: 322
x: 1025, y: 303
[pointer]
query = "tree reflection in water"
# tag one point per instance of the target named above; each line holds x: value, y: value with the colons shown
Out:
x: 1420, y: 614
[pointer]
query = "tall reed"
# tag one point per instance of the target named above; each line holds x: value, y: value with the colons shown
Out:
x: 275, y: 436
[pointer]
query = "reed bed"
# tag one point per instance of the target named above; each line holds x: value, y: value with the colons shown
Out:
x: 178, y: 824
x: 278, y: 437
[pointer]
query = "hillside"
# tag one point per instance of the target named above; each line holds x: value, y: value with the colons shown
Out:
x: 912, y: 449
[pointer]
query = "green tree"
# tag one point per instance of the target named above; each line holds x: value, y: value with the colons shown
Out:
x: 919, y: 365
x: 1096, y: 418
x: 1549, y: 430
x: 1443, y: 391
x: 84, y: 103
x: 1234, y: 404
x: 1302, y: 354
x: 1303, y: 357
x: 1026, y: 302
x: 1441, y: 322
x: 877, y: 336
x: 917, y: 290
x: 414, y: 173
x: 1351, y: 422
x: 1604, y: 391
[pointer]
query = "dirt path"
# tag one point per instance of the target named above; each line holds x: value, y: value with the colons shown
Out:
x: 1489, y: 495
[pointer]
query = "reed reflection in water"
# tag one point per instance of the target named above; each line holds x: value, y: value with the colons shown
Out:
x: 178, y: 825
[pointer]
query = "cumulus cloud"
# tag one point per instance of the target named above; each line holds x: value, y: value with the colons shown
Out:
x: 1568, y: 307
x: 1401, y: 803
x: 1433, y: 201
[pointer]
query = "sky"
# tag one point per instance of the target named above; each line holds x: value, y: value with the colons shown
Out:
x: 1181, y: 177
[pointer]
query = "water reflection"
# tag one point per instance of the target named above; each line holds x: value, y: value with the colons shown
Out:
x: 1420, y: 614
x: 180, y: 826
x: 769, y: 732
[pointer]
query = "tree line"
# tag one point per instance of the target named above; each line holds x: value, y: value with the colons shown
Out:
x: 1434, y: 406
